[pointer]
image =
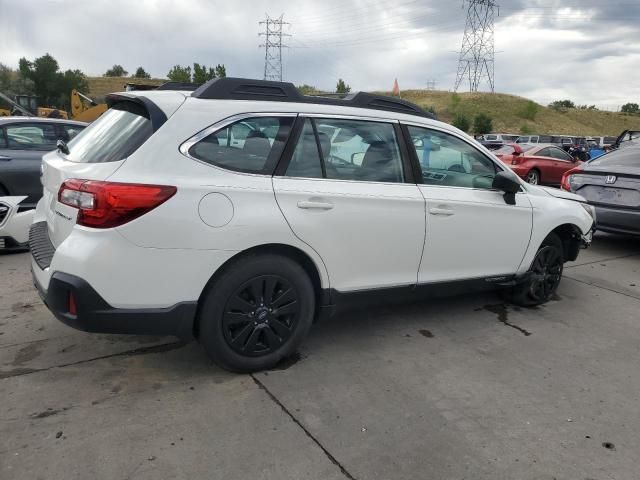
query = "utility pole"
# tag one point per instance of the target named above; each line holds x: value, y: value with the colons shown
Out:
x: 477, y: 54
x: 273, y: 47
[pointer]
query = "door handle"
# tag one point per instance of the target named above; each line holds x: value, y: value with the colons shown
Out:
x: 442, y: 211
x: 5, y: 158
x: 313, y: 205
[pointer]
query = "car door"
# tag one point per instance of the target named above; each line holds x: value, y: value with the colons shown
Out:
x: 562, y: 162
x: 347, y: 191
x: 25, y: 144
x: 471, y: 231
x: 544, y: 163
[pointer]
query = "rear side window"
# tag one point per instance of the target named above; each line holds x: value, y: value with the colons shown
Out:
x: 114, y: 136
x: 251, y: 145
x: 3, y: 139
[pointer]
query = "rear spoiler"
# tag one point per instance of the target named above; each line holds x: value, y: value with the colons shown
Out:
x: 153, y: 112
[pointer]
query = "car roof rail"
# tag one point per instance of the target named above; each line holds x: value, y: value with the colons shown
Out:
x: 182, y: 86
x: 228, y: 88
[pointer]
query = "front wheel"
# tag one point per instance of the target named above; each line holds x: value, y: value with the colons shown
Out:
x: 533, y: 177
x: 544, y: 275
x: 256, y: 313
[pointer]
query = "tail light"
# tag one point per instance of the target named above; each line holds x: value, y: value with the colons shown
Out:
x: 565, y: 184
x: 109, y: 204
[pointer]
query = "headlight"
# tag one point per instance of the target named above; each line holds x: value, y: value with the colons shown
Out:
x: 590, y: 210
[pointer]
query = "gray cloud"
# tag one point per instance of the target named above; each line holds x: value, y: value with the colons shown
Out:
x: 586, y: 50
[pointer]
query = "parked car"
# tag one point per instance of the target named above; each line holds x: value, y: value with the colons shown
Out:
x: 611, y: 184
x: 493, y: 141
x: 23, y: 141
x: 154, y: 223
x: 14, y: 224
x: 537, y: 164
x: 528, y: 139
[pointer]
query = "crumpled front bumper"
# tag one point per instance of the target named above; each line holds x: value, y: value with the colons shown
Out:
x: 14, y: 225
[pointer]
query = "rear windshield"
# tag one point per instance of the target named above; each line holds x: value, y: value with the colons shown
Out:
x: 629, y: 157
x: 114, y: 136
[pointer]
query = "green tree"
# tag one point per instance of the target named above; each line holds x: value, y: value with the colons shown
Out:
x: 202, y: 74
x: 179, y: 74
x: 116, y: 71
x: 630, y: 108
x: 51, y: 86
x: 530, y: 110
x: 562, y: 105
x: 342, y: 87
x: 462, y: 122
x: 221, y: 71
x: 141, y: 73
x: 307, y: 89
x: 482, y: 124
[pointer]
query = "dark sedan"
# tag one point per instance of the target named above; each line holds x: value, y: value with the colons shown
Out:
x: 611, y: 183
x: 23, y: 141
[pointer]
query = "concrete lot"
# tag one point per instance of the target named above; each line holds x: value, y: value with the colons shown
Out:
x: 459, y: 388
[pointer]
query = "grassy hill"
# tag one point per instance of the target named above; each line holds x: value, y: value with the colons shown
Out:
x: 509, y: 114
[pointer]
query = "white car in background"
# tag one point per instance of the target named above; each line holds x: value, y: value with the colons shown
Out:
x: 241, y: 212
x: 14, y: 224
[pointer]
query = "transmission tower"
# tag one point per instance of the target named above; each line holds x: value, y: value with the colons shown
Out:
x: 273, y: 47
x: 476, y: 63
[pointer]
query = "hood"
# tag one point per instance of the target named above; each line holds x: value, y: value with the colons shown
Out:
x: 557, y: 193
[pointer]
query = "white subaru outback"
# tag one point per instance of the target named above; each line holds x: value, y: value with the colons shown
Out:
x: 240, y: 212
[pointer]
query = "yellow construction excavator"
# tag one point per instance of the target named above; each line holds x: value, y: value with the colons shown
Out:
x: 79, y: 109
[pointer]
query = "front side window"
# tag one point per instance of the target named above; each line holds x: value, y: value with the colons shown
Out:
x: 523, y: 140
x: 347, y: 150
x: 449, y: 161
x: 251, y: 145
x: 3, y: 139
x: 31, y: 136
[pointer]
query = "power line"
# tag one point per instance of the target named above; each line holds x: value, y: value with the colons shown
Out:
x: 273, y: 47
x: 477, y: 54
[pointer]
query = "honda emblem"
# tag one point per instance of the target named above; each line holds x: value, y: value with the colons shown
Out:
x: 610, y: 179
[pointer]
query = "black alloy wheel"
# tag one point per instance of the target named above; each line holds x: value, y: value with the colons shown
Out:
x: 261, y: 315
x: 546, y: 273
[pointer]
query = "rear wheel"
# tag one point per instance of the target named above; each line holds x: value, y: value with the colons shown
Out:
x: 544, y: 275
x: 256, y: 313
x: 533, y: 177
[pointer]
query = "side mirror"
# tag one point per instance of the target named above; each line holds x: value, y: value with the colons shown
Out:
x: 505, y: 182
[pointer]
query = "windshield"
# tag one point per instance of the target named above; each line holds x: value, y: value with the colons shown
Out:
x: 629, y: 157
x: 114, y: 136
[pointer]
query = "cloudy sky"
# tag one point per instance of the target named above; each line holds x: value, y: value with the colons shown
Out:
x: 585, y: 50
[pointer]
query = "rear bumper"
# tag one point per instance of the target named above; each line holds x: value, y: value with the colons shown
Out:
x: 618, y: 220
x: 94, y: 314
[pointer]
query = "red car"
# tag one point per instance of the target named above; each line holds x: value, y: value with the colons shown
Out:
x: 537, y: 164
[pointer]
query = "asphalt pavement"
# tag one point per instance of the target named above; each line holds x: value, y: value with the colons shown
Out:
x: 453, y: 388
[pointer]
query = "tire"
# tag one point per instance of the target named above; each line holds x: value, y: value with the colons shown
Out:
x: 533, y: 177
x: 256, y: 313
x: 545, y: 274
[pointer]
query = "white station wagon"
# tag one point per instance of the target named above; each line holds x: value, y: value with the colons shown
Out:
x: 240, y: 212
